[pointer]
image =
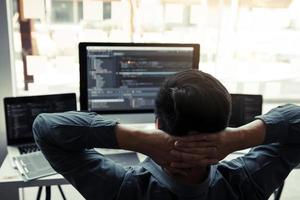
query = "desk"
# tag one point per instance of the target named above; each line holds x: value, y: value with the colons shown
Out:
x: 11, y: 181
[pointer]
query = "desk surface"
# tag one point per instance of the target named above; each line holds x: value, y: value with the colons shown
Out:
x: 10, y: 175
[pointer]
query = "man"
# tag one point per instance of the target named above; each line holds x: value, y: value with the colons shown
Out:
x: 193, y: 108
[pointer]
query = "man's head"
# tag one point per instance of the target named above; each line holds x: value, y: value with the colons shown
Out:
x: 192, y: 101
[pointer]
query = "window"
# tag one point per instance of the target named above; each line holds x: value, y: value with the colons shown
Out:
x: 106, y: 10
x: 62, y: 12
x: 252, y: 46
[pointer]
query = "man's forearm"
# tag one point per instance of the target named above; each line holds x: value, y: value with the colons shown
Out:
x: 153, y: 143
x: 280, y: 125
x: 247, y: 136
x: 74, y: 131
x: 143, y: 141
x: 129, y: 138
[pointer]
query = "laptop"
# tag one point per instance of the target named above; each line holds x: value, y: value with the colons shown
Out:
x: 244, y: 108
x: 20, y: 113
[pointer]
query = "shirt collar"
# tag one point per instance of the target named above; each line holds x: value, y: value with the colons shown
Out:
x: 177, y: 187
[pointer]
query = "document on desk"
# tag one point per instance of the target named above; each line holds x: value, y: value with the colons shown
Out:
x: 33, y: 165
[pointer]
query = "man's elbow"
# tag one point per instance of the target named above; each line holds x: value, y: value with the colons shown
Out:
x: 40, y: 128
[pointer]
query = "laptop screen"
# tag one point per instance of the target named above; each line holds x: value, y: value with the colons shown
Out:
x: 125, y: 77
x: 20, y: 113
x: 244, y: 108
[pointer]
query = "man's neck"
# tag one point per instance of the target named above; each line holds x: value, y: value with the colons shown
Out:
x: 194, y: 175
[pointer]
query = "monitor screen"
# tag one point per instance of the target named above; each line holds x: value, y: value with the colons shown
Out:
x: 20, y: 113
x: 125, y: 77
x: 244, y: 108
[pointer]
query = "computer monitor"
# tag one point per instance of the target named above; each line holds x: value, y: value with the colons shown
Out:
x: 118, y: 78
x: 244, y: 108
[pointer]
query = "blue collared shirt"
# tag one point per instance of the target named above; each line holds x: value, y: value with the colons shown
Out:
x: 67, y: 140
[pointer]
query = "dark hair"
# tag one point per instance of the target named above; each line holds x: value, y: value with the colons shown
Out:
x: 192, y: 100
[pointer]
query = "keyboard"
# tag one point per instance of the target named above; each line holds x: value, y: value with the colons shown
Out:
x: 28, y: 148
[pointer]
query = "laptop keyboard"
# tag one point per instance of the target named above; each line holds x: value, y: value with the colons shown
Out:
x: 28, y: 148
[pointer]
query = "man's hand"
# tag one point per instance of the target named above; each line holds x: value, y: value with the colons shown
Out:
x: 205, y: 148
x: 158, y: 145
x: 153, y: 143
x: 189, y: 149
x: 162, y: 149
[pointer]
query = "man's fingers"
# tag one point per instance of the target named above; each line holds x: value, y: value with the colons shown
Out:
x: 199, y: 137
x: 199, y: 163
x: 207, y: 161
x: 198, y: 151
x: 197, y: 144
x: 180, y: 155
x: 194, y: 153
x: 184, y: 156
x: 172, y: 170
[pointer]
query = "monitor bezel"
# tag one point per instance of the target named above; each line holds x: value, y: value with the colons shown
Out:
x: 35, y: 98
x: 258, y: 98
x: 83, y: 72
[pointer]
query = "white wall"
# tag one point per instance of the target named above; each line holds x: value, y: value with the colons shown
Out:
x: 6, y: 63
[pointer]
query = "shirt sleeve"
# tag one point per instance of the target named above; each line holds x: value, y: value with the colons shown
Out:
x: 282, y: 125
x: 67, y: 141
x: 266, y: 166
